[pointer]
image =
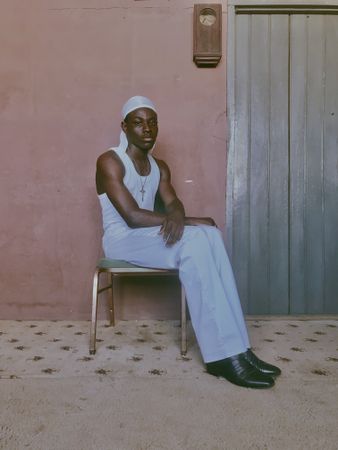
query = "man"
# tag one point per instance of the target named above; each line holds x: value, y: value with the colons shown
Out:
x: 127, y: 180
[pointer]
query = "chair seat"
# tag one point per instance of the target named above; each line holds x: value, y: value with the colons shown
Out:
x: 107, y: 263
x: 121, y: 266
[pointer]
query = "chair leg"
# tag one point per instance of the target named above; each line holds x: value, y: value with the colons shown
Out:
x: 92, y: 340
x: 183, y: 322
x: 111, y: 303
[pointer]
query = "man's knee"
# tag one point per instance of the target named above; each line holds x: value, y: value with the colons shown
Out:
x: 196, y: 249
x: 195, y: 235
x: 212, y: 232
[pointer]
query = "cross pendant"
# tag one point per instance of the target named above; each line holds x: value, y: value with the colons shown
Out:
x: 142, y: 192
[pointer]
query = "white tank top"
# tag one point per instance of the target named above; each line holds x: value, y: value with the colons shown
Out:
x: 134, y: 182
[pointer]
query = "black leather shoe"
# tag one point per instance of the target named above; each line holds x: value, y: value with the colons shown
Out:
x: 263, y: 367
x: 238, y: 370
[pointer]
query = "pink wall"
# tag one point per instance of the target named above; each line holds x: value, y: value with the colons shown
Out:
x: 66, y: 68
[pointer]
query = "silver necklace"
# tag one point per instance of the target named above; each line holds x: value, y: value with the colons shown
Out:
x: 142, y: 183
x: 142, y: 190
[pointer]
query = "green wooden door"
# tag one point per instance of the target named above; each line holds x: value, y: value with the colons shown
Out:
x: 282, y: 211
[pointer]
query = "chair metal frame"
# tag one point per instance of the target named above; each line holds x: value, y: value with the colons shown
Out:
x: 131, y: 270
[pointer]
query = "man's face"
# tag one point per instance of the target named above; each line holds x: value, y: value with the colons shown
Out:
x: 141, y: 128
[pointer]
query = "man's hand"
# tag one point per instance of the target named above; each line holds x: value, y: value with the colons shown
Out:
x: 200, y: 221
x: 172, y: 227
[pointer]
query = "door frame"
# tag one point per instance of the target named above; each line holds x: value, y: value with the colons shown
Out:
x: 234, y: 8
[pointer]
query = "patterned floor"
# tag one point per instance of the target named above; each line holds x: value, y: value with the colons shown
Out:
x: 302, y: 348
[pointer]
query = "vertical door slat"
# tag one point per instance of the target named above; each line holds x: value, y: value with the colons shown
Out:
x: 298, y: 98
x: 279, y: 167
x: 331, y: 166
x: 259, y: 163
x: 240, y: 213
x: 314, y: 262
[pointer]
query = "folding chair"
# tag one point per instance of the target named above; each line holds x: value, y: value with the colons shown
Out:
x: 122, y: 268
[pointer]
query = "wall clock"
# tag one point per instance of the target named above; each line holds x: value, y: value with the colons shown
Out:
x: 207, y: 34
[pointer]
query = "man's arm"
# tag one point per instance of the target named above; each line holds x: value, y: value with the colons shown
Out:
x: 173, y: 224
x: 174, y: 206
x: 200, y: 221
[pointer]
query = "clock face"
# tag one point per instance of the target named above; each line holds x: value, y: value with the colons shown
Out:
x: 207, y: 17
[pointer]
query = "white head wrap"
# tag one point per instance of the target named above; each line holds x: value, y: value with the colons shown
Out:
x: 133, y: 103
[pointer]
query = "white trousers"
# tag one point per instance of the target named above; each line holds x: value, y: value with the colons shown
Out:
x: 206, y: 274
